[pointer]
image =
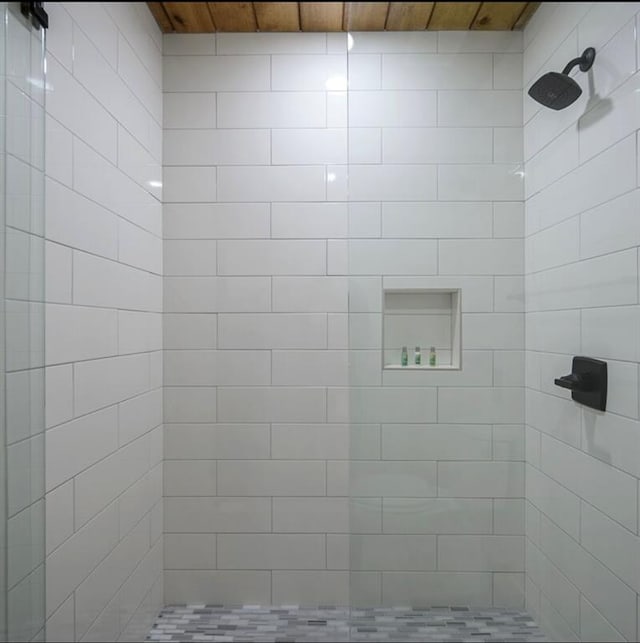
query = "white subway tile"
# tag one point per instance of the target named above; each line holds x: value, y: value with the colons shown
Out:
x: 481, y: 479
x: 334, y: 442
x: 300, y: 515
x: 103, y: 482
x: 80, y: 223
x: 59, y: 516
x: 229, y: 587
x: 72, y: 447
x: 400, y: 257
x: 498, y: 108
x: 180, y: 44
x: 501, y: 331
x: 216, y: 441
x: 99, y: 383
x: 58, y: 152
x: 184, y: 110
x: 391, y: 42
x: 216, y: 73
x: 189, y: 184
x: 216, y: 147
x: 364, y: 71
x: 59, y: 395
x: 436, y: 145
x: 310, y: 294
x: 67, y: 570
x: 277, y: 404
x: 608, y: 489
x: 611, y: 438
x: 257, y: 257
x: 440, y: 71
x: 392, y: 405
x: 436, y: 515
x: 556, y: 502
x: 272, y: 109
x: 594, y: 626
x: 139, y: 415
x: 508, y: 517
x: 614, y: 599
x: 217, y: 515
x: 271, y: 551
x: 436, y: 442
x: 393, y: 553
x: 139, y: 332
x: 555, y: 416
x: 68, y: 102
x: 217, y: 294
x: 189, y: 331
x: 392, y: 109
x: 597, y: 181
x: 481, y: 553
x: 431, y: 220
x: 555, y: 331
x: 480, y: 182
x: 310, y: 368
x: 310, y: 588
x: 309, y: 220
x: 216, y: 221
x: 189, y: 551
x: 189, y: 404
x: 58, y: 273
x: 309, y: 146
x: 216, y: 368
x: 75, y: 333
x: 604, y: 281
x: 271, y: 477
x: 557, y: 159
x: 272, y: 331
x: 392, y: 479
x: 189, y: 478
x: 189, y: 258
x: 479, y: 41
x: 270, y: 43
x: 271, y: 183
x: 598, y: 533
x: 308, y: 72
x: 610, y: 227
x: 418, y: 589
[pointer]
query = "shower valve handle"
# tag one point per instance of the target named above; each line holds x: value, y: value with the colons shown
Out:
x: 573, y: 382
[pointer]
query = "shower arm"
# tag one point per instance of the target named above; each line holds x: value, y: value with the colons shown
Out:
x: 585, y: 61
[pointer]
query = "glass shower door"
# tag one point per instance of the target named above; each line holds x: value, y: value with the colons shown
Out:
x: 22, y: 512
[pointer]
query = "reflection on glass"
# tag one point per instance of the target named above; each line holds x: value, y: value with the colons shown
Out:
x: 22, y: 514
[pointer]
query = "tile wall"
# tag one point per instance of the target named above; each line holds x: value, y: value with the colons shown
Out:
x: 274, y: 267
x: 103, y: 321
x: 582, y: 238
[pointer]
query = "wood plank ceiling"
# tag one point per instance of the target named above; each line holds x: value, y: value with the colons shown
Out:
x: 208, y: 17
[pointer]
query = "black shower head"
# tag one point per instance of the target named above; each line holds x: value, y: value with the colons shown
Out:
x: 558, y: 90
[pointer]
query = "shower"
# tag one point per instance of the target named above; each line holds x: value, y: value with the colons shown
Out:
x: 558, y: 90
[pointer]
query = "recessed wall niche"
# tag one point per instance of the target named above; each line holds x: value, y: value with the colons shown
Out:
x: 424, y: 318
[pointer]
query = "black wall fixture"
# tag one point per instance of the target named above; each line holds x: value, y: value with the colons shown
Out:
x: 587, y: 382
x: 35, y: 10
x: 558, y: 90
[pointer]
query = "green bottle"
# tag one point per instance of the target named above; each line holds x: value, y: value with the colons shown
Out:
x: 432, y: 356
x: 405, y: 356
x: 417, y: 357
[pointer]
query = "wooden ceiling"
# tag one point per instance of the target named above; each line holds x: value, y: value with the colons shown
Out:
x: 208, y: 17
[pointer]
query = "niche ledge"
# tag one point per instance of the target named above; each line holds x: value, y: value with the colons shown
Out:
x: 421, y: 317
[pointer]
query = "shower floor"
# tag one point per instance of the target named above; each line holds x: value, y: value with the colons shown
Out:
x: 290, y: 623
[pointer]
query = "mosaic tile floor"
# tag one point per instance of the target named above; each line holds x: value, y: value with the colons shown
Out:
x: 290, y: 623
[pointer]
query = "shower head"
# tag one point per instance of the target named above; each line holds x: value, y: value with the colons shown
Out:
x: 558, y: 90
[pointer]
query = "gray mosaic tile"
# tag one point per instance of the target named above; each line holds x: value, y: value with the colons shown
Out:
x: 290, y: 623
